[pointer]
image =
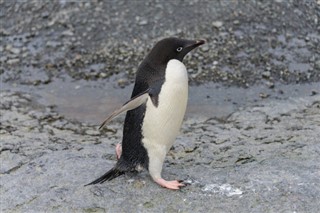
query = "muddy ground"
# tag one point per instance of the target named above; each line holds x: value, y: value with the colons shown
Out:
x: 250, y: 139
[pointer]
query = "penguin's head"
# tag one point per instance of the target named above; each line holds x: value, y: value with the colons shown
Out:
x: 172, y: 48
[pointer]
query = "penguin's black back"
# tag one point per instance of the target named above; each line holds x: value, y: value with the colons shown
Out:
x: 133, y: 152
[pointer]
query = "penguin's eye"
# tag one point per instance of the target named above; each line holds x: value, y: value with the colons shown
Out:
x: 179, y: 49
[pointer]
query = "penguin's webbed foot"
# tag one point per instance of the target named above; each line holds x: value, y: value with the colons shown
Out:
x: 174, y: 184
x: 118, y: 150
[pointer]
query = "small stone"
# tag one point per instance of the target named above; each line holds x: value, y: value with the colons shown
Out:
x: 9, y: 47
x: 313, y: 92
x: 24, y: 55
x: 102, y: 75
x: 53, y: 44
x: 143, y: 22
x: 45, y: 15
x: 4, y: 32
x: 122, y: 82
x: 138, y: 184
x: 148, y: 205
x: 266, y: 74
x: 270, y: 85
x: 13, y: 61
x: 264, y: 95
x: 236, y: 22
x: 217, y: 24
x: 204, y: 48
x: 67, y: 33
x: 15, y: 51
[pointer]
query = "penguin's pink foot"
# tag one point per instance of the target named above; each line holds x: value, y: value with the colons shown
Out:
x: 118, y: 150
x: 174, y: 184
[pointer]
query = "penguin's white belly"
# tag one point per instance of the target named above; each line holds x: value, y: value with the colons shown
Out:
x: 161, y: 124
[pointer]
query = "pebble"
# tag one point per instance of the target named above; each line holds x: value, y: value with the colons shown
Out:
x: 204, y: 48
x: 122, y: 82
x: 52, y: 44
x: 143, y: 22
x: 45, y: 14
x: 8, y: 47
x: 217, y: 24
x: 236, y: 22
x: 103, y: 75
x: 4, y: 32
x: 13, y: 61
x: 270, y: 84
x: 313, y: 92
x: 264, y: 95
x: 266, y: 74
x: 67, y: 33
x: 15, y: 51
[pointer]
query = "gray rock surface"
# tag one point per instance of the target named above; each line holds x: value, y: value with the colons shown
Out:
x: 261, y: 159
x: 250, y: 139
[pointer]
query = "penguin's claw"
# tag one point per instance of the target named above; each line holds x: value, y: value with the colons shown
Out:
x: 174, y: 184
x: 118, y: 150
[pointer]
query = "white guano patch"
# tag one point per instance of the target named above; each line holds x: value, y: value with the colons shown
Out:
x: 224, y: 189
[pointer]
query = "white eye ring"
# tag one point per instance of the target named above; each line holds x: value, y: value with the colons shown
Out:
x: 179, y: 49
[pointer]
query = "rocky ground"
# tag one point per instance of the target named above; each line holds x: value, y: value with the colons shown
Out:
x: 261, y: 159
x: 250, y: 140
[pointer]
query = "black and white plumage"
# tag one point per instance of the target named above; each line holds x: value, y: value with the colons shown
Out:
x: 155, y: 111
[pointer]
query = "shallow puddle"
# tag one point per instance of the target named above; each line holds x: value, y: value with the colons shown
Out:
x: 92, y: 101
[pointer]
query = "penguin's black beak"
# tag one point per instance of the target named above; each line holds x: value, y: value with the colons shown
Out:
x: 193, y: 44
x: 188, y: 46
x: 200, y: 42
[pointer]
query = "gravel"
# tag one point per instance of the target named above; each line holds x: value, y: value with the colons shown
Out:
x: 83, y: 40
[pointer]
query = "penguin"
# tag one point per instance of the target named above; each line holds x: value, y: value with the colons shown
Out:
x: 155, y: 112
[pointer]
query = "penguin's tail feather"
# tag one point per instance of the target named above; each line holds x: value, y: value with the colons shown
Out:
x: 111, y: 174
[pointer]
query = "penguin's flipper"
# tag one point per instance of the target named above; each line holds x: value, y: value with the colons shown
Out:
x: 155, y: 91
x: 132, y: 104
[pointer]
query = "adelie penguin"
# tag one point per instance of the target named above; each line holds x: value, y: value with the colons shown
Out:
x: 155, y: 111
